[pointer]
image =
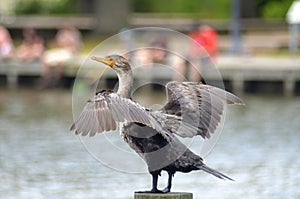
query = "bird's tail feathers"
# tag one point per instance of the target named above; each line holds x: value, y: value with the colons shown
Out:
x: 214, y: 172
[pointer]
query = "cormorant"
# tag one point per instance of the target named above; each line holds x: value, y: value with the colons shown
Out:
x: 192, y: 109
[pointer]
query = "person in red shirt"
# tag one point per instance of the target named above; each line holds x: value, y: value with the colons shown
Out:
x: 209, y: 40
x: 203, y: 51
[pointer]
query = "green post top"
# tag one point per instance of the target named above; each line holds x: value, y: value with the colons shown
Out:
x: 172, y: 195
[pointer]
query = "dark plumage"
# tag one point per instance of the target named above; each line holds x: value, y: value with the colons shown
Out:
x: 192, y: 109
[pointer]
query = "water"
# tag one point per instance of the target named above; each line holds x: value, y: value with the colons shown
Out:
x: 40, y: 158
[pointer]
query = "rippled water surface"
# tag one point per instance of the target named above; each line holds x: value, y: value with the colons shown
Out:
x: 40, y: 158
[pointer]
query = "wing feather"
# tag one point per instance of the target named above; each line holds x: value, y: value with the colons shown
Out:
x: 199, y: 107
x: 107, y: 109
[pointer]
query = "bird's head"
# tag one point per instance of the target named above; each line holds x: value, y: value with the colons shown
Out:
x: 116, y: 62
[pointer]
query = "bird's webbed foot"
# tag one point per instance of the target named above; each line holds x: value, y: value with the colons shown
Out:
x: 152, y: 191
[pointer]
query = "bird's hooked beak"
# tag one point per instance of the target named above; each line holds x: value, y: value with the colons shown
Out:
x: 106, y: 61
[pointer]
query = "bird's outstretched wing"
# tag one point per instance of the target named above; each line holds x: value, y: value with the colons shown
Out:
x: 198, y: 107
x: 107, y: 109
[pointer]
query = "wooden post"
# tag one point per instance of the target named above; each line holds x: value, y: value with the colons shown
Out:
x: 238, y: 83
x: 111, y: 16
x: 289, y: 85
x: 11, y: 74
x: 172, y: 195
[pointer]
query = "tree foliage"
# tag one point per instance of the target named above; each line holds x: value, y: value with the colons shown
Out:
x: 208, y: 9
x: 273, y: 8
x: 211, y: 8
x: 45, y: 7
x: 204, y: 8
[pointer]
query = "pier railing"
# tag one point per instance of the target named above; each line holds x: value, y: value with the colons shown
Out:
x: 235, y: 70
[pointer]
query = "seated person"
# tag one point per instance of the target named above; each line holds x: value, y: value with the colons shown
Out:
x: 32, y: 46
x: 67, y: 45
x: 6, y: 44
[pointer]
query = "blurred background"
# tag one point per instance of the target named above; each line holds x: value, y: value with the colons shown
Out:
x: 248, y: 47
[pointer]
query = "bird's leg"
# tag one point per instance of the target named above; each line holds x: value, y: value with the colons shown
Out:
x: 154, y: 184
x: 168, y: 188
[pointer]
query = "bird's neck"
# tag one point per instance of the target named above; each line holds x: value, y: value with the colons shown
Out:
x: 125, y: 84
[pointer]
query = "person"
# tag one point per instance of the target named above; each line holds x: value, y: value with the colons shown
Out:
x: 202, y: 53
x: 6, y: 44
x: 207, y: 38
x: 67, y: 45
x: 159, y: 50
x: 155, y: 53
x: 31, y: 48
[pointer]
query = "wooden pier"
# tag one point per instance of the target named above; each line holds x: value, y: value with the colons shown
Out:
x: 235, y: 70
x: 261, y: 69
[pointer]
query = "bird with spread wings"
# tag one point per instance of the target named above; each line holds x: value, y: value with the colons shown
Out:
x: 192, y: 109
